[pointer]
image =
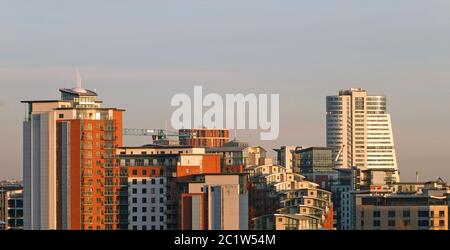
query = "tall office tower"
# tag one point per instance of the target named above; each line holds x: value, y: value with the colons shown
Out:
x: 360, y: 131
x: 70, y: 177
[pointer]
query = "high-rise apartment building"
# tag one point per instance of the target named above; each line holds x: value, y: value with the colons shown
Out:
x: 360, y: 130
x: 70, y: 177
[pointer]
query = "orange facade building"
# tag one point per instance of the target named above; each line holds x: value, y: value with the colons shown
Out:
x: 204, y: 137
x: 71, y: 180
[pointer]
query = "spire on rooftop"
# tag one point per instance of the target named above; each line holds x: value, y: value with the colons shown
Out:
x: 78, y: 87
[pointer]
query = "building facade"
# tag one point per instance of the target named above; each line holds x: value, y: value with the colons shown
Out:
x: 237, y: 155
x: 204, y: 137
x: 285, y: 157
x: 70, y: 177
x: 295, y: 203
x: 11, y: 206
x: 153, y: 171
x: 401, y: 206
x: 316, y: 164
x: 359, y: 129
x: 215, y: 202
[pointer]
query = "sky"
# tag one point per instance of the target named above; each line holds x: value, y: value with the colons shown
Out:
x: 138, y: 54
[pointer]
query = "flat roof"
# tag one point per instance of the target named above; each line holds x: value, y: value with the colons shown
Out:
x: 91, y: 108
x: 73, y: 92
x: 31, y: 101
x: 147, y: 146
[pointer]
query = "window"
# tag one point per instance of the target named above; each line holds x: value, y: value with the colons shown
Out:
x: 441, y: 223
x: 144, y: 190
x: 134, y: 171
x: 391, y: 223
x: 135, y: 228
x: 161, y: 210
x: 144, y: 209
x: 391, y: 214
x: 153, y: 209
x: 134, y: 191
x: 134, y: 209
x: 135, y: 200
x: 161, y: 218
x: 376, y: 223
x: 134, y: 181
x: 423, y: 214
x: 161, y: 181
x: 61, y: 116
x: 161, y: 200
x: 153, y: 218
x: 144, y: 218
x: 406, y: 214
x: 161, y: 227
x: 153, y: 182
x: 441, y: 213
x: 153, y: 228
x: 153, y: 200
x: 144, y: 200
x: 144, y: 227
x: 423, y: 223
x: 144, y: 172
x: 376, y: 214
x: 144, y: 181
x: 134, y: 218
x: 161, y: 190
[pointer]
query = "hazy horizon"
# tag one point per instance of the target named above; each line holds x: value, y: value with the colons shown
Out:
x: 138, y: 54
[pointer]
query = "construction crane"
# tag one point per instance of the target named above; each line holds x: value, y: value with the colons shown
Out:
x: 158, y: 135
x: 339, y: 153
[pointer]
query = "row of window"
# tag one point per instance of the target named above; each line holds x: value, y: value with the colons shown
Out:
x: 144, y: 191
x: 144, y: 218
x: 145, y: 228
x: 144, y: 210
x: 144, y: 200
x: 144, y: 181
x: 406, y: 223
x: 406, y: 214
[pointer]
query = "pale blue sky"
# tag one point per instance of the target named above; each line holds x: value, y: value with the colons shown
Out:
x: 138, y: 54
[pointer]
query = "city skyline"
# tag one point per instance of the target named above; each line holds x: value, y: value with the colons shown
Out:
x: 402, y: 55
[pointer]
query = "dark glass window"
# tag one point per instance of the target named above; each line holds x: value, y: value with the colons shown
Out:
x: 376, y: 223
x: 406, y: 213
